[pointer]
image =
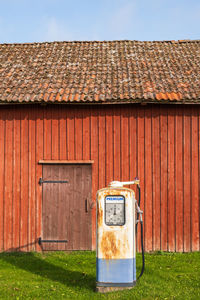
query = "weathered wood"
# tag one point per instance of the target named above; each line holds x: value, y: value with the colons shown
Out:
x: 195, y: 181
x: 16, y: 180
x: 179, y: 179
x: 125, y: 167
x: 156, y: 177
x: 31, y: 182
x: 117, y: 144
x: 109, y: 147
x: 171, y: 177
x: 164, y: 178
x: 24, y: 205
x: 64, y: 216
x: 187, y: 179
x: 39, y: 148
x: 101, y: 149
x: 62, y: 134
x: 2, y: 176
x: 148, y: 181
x: 141, y: 164
x: 159, y: 144
x: 8, y: 194
x: 94, y: 133
x: 70, y: 134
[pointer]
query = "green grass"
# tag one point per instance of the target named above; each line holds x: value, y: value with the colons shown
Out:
x: 72, y: 275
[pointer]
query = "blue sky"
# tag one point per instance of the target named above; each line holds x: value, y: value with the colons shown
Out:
x: 57, y: 20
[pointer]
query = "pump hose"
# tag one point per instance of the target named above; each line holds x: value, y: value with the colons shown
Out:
x: 142, y: 246
x: 138, y: 205
x: 142, y: 239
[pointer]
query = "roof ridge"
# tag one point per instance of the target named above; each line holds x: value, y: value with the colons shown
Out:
x: 105, y: 41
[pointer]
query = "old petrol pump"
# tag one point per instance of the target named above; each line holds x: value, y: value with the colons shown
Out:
x: 116, y: 231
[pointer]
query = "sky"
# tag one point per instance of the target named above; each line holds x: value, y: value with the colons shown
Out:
x: 25, y: 21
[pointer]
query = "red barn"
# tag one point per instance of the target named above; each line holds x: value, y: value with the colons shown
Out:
x: 75, y: 116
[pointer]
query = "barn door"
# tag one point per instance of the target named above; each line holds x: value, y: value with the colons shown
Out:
x: 66, y: 207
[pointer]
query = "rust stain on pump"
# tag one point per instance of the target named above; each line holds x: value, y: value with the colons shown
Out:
x: 115, y: 241
x: 109, y: 245
x: 99, y: 215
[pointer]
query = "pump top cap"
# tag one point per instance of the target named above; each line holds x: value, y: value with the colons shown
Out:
x: 121, y: 184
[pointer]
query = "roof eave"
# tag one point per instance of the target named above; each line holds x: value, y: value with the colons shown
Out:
x: 108, y: 102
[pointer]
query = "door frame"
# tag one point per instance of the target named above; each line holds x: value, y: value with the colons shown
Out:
x: 65, y: 162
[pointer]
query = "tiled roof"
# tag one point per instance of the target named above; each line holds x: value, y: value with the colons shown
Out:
x: 116, y: 71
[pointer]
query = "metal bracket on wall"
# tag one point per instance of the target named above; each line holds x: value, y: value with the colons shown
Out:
x: 41, y: 181
x: 40, y: 241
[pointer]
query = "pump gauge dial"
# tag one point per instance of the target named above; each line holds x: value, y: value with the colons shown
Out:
x: 115, y: 210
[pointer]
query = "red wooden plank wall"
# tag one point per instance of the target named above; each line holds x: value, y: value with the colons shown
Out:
x: 159, y: 144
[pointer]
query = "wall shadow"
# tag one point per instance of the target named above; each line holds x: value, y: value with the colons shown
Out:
x: 39, y: 266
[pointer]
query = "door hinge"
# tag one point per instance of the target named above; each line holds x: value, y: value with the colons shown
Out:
x: 41, y: 181
x: 40, y: 241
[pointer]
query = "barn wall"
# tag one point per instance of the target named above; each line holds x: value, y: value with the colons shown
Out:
x: 159, y: 144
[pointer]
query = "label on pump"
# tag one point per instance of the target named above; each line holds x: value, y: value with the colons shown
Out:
x: 114, y: 210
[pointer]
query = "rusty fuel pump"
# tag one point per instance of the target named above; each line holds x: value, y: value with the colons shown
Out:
x: 116, y: 236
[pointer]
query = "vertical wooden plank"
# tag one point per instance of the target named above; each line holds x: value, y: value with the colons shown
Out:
x: 87, y: 192
x: 171, y: 179
x: 39, y: 144
x: 78, y: 134
x: 156, y: 176
x: 164, y: 177
x: 195, y: 217
x: 47, y: 133
x: 109, y: 147
x: 55, y: 133
x: 133, y: 146
x: 141, y: 164
x: 62, y: 133
x: 70, y: 134
x: 117, y: 142
x: 55, y: 187
x: 48, y: 148
x: 148, y: 180
x: 70, y: 206
x: 24, y: 206
x: 77, y: 197
x: 63, y: 207
x: 102, y: 147
x: 125, y: 171
x: 31, y: 178
x: 54, y: 203
x: 84, y: 202
x: 16, y: 179
x: 186, y: 177
x: 2, y: 177
x: 8, y: 228
x: 179, y: 179
x: 94, y: 133
x: 78, y: 219
x: 48, y: 208
x: 86, y: 134
x: 199, y: 168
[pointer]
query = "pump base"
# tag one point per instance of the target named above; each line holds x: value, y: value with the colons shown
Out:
x: 103, y: 287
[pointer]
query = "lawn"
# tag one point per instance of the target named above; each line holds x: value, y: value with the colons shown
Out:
x: 61, y: 275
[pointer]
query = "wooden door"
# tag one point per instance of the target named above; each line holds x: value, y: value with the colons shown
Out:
x: 66, y: 207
